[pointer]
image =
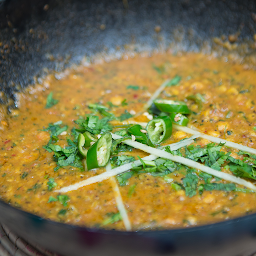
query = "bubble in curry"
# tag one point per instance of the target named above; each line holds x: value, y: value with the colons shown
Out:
x: 145, y: 143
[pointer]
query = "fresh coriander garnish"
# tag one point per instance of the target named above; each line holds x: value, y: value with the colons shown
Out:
x: 190, y: 183
x: 159, y: 69
x: 112, y: 218
x: 51, y: 184
x: 174, y: 81
x: 133, y: 87
x: 63, y: 199
x: 125, y: 115
x: 131, y: 190
x: 24, y: 175
x: 50, y: 101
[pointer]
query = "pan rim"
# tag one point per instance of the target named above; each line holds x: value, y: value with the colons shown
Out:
x: 145, y: 233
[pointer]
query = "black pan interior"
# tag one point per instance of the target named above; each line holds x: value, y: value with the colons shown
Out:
x: 41, y: 36
x: 35, y: 35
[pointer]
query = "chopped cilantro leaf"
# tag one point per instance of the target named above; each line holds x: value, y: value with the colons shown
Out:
x: 148, y: 166
x: 244, y: 190
x: 120, y: 160
x: 125, y: 115
x: 217, y: 164
x: 120, y: 147
x: 210, y: 155
x: 102, y: 110
x: 190, y: 183
x: 205, y: 176
x: 166, y: 166
x: 243, y: 114
x: 111, y: 105
x: 68, y: 156
x: 75, y: 135
x: 55, y: 129
x: 34, y: 188
x: 133, y: 87
x: 124, y: 103
x: 50, y: 101
x: 167, y: 179
x: 195, y: 152
x: 52, y: 199
x: 248, y: 154
x: 96, y: 106
x: 174, y: 81
x: 62, y: 212
x: 219, y: 186
x: 124, y: 177
x: 122, y: 132
x: 117, y: 146
x: 131, y: 190
x: 51, y: 184
x: 159, y: 69
x: 219, y: 212
x: 176, y: 186
x: 244, y: 171
x: 63, y: 199
x: 24, y: 175
x: 94, y: 124
x: 112, y: 218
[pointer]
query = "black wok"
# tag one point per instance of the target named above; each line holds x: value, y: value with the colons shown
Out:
x: 35, y: 35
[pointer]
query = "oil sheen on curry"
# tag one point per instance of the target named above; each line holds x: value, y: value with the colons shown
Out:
x: 143, y: 143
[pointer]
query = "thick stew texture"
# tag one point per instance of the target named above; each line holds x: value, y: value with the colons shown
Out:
x: 85, y: 123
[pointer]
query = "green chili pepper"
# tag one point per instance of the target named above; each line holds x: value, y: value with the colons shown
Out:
x: 170, y: 106
x: 88, y: 139
x: 198, y: 99
x: 178, y: 118
x: 84, y: 140
x: 136, y: 131
x: 159, y: 129
x: 81, y: 141
x: 154, y: 110
x: 99, y: 153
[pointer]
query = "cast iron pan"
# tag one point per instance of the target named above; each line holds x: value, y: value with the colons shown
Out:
x: 66, y: 30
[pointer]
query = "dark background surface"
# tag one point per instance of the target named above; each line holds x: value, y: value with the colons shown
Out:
x: 54, y: 34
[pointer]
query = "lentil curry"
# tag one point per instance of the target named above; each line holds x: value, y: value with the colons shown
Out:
x: 44, y: 144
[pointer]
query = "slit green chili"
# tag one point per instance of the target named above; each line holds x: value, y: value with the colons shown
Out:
x: 170, y: 106
x: 159, y: 129
x: 140, y: 136
x: 99, y: 153
x: 81, y: 142
x: 89, y: 138
x: 198, y: 99
x: 179, y: 119
x: 84, y: 140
